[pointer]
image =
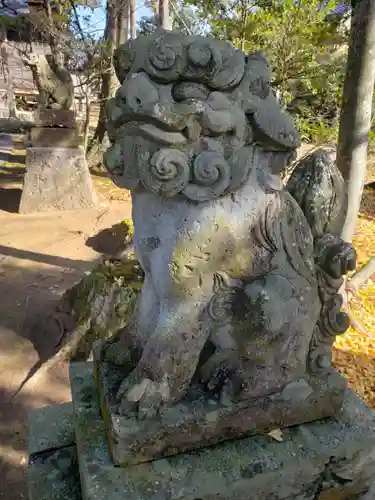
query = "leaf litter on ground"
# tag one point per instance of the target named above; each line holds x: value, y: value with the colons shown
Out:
x: 354, y: 351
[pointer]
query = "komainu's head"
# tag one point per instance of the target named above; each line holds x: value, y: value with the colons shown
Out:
x: 189, y: 114
x: 32, y: 59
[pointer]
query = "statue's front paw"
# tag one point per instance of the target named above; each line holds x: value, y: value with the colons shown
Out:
x: 339, y: 259
x: 143, y: 395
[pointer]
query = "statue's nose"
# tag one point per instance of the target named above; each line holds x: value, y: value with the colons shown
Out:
x: 139, y: 94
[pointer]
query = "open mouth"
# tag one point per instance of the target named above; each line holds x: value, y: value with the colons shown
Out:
x: 150, y: 131
x: 164, y: 124
x: 157, y: 131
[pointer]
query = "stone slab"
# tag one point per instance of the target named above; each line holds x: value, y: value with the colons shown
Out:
x: 55, y: 118
x: 51, y: 427
x: 56, y: 179
x: 200, y: 421
x: 55, y: 137
x: 54, y: 475
x: 53, y: 472
x: 332, y: 458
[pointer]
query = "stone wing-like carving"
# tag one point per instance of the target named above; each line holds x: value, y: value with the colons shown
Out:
x: 319, y: 188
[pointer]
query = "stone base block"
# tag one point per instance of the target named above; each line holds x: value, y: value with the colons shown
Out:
x: 51, y: 427
x: 200, y: 420
x: 56, y: 179
x: 328, y: 459
x: 55, y: 138
x: 53, y: 463
x: 55, y: 118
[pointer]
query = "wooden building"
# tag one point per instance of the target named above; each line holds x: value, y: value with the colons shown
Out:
x: 17, y: 88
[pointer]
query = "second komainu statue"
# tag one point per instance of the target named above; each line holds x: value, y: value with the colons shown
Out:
x: 235, y: 323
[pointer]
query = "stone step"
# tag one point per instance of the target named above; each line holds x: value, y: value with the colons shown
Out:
x: 53, y: 472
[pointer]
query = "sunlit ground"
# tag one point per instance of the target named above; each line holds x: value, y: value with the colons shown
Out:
x: 354, y: 353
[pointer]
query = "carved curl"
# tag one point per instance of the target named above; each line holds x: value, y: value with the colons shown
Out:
x: 204, y: 59
x: 168, y: 172
x: 166, y: 58
x: 210, y: 177
x: 331, y: 323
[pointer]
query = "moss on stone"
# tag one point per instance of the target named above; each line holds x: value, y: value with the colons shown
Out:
x: 130, y: 226
x: 103, y: 302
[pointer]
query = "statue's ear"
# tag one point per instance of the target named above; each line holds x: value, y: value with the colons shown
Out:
x: 268, y: 171
x: 269, y: 181
x: 279, y: 160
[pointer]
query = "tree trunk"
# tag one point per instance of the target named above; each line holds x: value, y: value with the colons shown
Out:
x: 86, y: 127
x: 355, y: 119
x: 165, y: 18
x: 122, y: 15
x: 361, y: 277
x: 109, y: 80
x: 132, y: 19
x: 116, y: 33
x: 155, y: 7
x: 355, y: 124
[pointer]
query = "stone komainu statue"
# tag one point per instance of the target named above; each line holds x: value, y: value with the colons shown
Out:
x: 241, y: 274
x: 54, y: 83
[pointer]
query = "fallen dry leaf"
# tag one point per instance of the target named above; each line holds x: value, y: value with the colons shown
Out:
x: 276, y: 434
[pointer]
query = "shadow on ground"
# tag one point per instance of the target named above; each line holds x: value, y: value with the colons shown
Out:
x: 53, y: 260
x: 112, y: 241
x: 10, y: 199
x: 11, y: 179
x: 13, y: 446
x: 28, y: 297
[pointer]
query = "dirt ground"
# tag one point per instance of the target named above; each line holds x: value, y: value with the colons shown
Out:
x: 40, y: 257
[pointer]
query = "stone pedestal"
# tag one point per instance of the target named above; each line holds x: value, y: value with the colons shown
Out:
x: 55, y: 118
x: 57, y: 178
x: 200, y: 420
x: 328, y: 459
x: 55, y: 137
x: 53, y: 463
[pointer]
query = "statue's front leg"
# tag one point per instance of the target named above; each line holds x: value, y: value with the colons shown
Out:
x: 169, y: 358
x: 43, y: 99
